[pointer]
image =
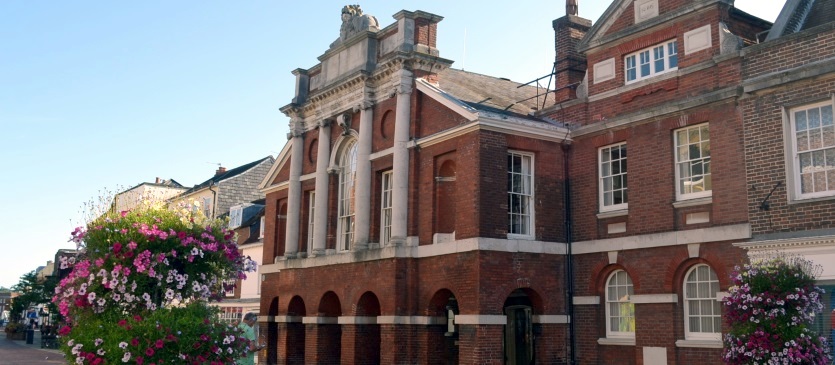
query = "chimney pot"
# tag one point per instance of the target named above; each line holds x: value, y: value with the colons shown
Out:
x: 571, y: 7
x: 220, y: 170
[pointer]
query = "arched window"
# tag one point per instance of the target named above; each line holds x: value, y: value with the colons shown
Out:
x: 347, y: 187
x: 620, y: 311
x: 702, y: 315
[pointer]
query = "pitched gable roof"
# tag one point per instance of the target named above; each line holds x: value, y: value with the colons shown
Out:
x: 799, y: 15
x: 482, y: 91
x: 214, y: 180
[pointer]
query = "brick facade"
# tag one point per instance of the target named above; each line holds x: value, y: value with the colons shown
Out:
x: 509, y: 294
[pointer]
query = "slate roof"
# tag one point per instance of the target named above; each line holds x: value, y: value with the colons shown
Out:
x: 490, y: 93
x: 214, y: 180
x: 799, y: 15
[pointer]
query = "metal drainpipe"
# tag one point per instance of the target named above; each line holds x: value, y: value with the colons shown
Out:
x: 569, y: 261
x: 214, y: 199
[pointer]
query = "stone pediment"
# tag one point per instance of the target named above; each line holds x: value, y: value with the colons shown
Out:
x: 624, y: 18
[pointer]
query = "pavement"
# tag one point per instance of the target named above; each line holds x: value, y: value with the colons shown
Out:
x: 21, y: 353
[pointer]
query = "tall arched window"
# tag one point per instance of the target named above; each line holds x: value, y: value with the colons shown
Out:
x: 620, y: 311
x: 347, y: 187
x: 702, y: 314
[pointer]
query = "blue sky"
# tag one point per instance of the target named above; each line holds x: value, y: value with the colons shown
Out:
x: 100, y: 96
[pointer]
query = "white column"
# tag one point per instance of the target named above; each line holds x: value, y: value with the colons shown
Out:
x: 400, y: 173
x: 294, y: 191
x: 320, y: 220
x: 363, y: 187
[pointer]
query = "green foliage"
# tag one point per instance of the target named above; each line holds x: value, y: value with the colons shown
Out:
x: 139, y: 287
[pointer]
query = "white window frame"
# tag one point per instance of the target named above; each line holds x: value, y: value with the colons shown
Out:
x: 207, y: 207
x: 347, y: 189
x: 689, y: 163
x: 230, y: 293
x: 311, y: 215
x: 526, y: 195
x: 606, y: 172
x: 235, y: 216
x: 262, y: 227
x: 653, y: 57
x: 621, y: 288
x: 794, y: 160
x: 386, y: 182
x: 708, y: 297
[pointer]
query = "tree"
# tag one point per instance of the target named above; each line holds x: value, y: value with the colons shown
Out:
x: 138, y: 289
x: 770, y: 308
x: 30, y: 293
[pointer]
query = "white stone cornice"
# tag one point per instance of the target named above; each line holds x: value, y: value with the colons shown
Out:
x: 653, y: 298
x: 281, y: 186
x: 412, y: 320
x: 788, y: 243
x: 702, y: 235
x: 481, y: 319
x: 320, y: 320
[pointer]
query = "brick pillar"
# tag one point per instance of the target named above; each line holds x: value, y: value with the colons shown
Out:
x: 436, y: 348
x: 271, y: 331
x: 322, y: 344
x: 480, y: 344
x: 550, y: 343
x: 396, y: 344
x: 657, y: 331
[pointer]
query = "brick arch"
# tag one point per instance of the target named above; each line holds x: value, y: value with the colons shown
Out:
x: 280, y: 228
x: 437, y: 304
x: 684, y: 267
x: 329, y: 305
x: 273, y: 309
x: 272, y: 333
x: 441, y: 345
x: 386, y: 125
x: 313, y: 150
x: 368, y: 305
x: 596, y: 270
x: 445, y: 193
x: 295, y: 332
x: 533, y: 297
x: 606, y: 272
x: 296, y: 307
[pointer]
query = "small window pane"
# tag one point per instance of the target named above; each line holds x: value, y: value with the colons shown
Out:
x: 800, y: 120
x: 826, y: 115
x: 814, y: 139
x: 814, y: 118
x: 802, y: 141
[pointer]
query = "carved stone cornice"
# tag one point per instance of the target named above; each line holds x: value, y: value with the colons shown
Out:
x: 326, y: 122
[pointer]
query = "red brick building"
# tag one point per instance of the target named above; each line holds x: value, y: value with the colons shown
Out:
x: 654, y: 83
x: 421, y: 214
x: 416, y: 214
x: 787, y: 108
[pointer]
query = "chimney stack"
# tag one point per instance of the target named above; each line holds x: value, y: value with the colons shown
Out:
x: 570, y: 65
x: 158, y: 181
x: 220, y: 170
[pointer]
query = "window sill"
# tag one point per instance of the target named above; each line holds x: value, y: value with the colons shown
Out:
x: 616, y: 341
x: 693, y: 202
x: 613, y: 213
x: 520, y: 237
x: 707, y: 344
